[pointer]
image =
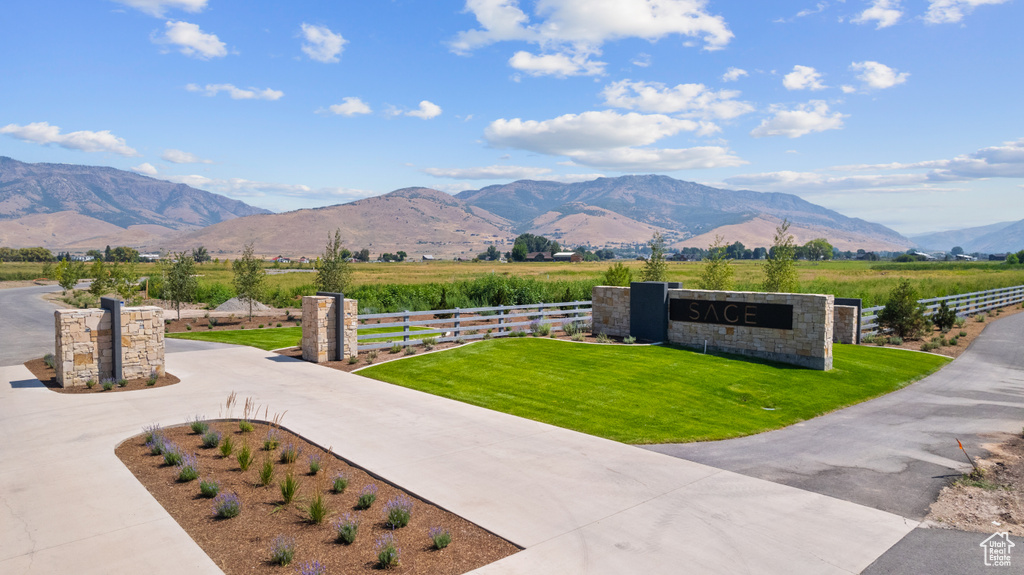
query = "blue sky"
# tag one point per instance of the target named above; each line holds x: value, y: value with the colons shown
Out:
x: 903, y: 112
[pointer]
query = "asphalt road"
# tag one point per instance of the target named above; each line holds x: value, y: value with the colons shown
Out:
x: 27, y: 326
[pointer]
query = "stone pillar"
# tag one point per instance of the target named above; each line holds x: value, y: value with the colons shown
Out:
x: 83, y: 347
x: 319, y: 339
x: 610, y: 310
x: 844, y: 328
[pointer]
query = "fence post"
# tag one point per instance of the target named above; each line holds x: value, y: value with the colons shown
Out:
x: 501, y: 318
x: 458, y: 324
x: 405, y: 328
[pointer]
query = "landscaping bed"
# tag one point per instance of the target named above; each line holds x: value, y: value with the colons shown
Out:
x: 48, y: 376
x: 971, y: 329
x: 246, y: 543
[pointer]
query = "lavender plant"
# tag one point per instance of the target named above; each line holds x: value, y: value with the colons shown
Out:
x: 227, y: 505
x: 199, y: 425
x: 209, y: 488
x: 388, y: 554
x: 272, y: 440
x: 282, y: 550
x: 122, y: 382
x: 188, y: 469
x: 315, y: 464
x: 367, y: 496
x: 312, y: 568
x: 172, y: 454
x: 347, y: 528
x: 107, y: 384
x: 440, y: 536
x: 152, y: 431
x: 50, y: 361
x: 157, y: 444
x: 290, y: 453
x: 91, y: 383
x: 339, y: 483
x: 211, y: 439
x: 397, y: 512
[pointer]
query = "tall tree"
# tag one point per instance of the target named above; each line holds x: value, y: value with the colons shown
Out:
x: 67, y: 273
x: 716, y: 272
x: 779, y: 269
x: 250, y: 277
x: 200, y: 254
x: 181, y: 282
x: 100, y: 278
x: 655, y: 269
x: 333, y: 273
x: 818, y: 249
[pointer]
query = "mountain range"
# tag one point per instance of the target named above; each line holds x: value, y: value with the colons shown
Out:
x: 81, y: 207
x: 994, y: 238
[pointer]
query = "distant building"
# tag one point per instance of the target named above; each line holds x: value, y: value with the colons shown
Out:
x: 539, y: 257
x: 304, y: 260
x: 428, y: 258
x: 924, y: 255
x: 151, y: 257
x: 965, y: 257
x: 997, y: 257
x: 567, y: 257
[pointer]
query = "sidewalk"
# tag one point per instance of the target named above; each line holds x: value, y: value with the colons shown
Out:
x: 576, y: 503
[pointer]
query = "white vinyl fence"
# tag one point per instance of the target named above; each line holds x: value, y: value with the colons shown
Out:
x: 964, y: 304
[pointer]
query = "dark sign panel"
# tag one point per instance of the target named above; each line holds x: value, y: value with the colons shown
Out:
x: 770, y: 315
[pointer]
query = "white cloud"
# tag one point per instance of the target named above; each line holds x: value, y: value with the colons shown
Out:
x: 885, y: 12
x: 803, y: 78
x: 733, y: 74
x: 559, y: 65
x: 690, y: 100
x: 642, y: 60
x: 191, y: 41
x: 951, y: 11
x: 847, y: 89
x: 489, y: 173
x: 321, y: 44
x: 242, y: 188
x: 813, y: 181
x: 43, y: 133
x: 652, y: 159
x: 237, y: 93
x: 350, y: 106
x: 180, y: 157
x: 878, y: 76
x: 806, y: 118
x: 145, y: 168
x: 159, y: 7
x: 426, y: 111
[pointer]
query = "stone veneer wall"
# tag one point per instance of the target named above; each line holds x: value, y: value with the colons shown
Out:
x: 610, y: 310
x: 844, y: 330
x: 808, y: 344
x: 319, y: 328
x: 84, y: 349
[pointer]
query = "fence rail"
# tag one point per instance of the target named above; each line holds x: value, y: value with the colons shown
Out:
x: 964, y: 304
x: 468, y: 324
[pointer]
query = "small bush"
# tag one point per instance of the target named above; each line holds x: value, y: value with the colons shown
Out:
x: 50, y: 361
x: 347, y: 528
x: 151, y: 381
x: 227, y: 446
x: 199, y: 425
x: 487, y: 335
x: 261, y: 326
x: 397, y: 512
x: 172, y: 455
x: 226, y: 505
x: 410, y: 350
x: 282, y: 550
x: 317, y: 509
x: 895, y: 340
x: 460, y: 341
x: 244, y: 457
x: 90, y: 383
x: 315, y: 464
x: 578, y: 336
x: 367, y: 496
x: 188, y: 469
x: 431, y: 341
x: 272, y: 440
x: 440, y: 536
x: 540, y: 329
x: 278, y: 324
x: 396, y: 348
x: 902, y: 314
x: 122, y: 382
x: 209, y: 488
x: 603, y: 338
x: 188, y: 327
x: 963, y: 334
x: 629, y: 340
x: 371, y: 356
x: 290, y: 453
x: 157, y: 444
x: 151, y: 431
x: 954, y: 341
x: 944, y: 318
x: 339, y: 483
x: 388, y: 554
x: 245, y: 426
x: 107, y: 384
x: 980, y: 318
x: 312, y: 568
x: 211, y: 439
x: 266, y: 474
x: 353, y: 359
x: 572, y: 328
x: 289, y: 487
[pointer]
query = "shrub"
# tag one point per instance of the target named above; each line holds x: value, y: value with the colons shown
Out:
x: 902, y: 314
x: 272, y: 440
x: 347, y: 528
x: 963, y: 334
x: 211, y: 439
x: 282, y: 550
x: 151, y: 431
x: 629, y: 340
x: 226, y: 505
x: 397, y: 512
x: 954, y: 341
x: 440, y: 536
x: 431, y: 341
x: 157, y: 444
x: 244, y: 457
x: 960, y: 321
x: 266, y: 472
x: 339, y: 483
x: 895, y: 340
x: 172, y: 454
x: 578, y: 336
x: 122, y: 382
x: 388, y: 554
x: 261, y: 326
x: 353, y: 359
x: 869, y: 338
x: 573, y: 327
x: 980, y: 318
x: 317, y: 509
x: 188, y: 469
x: 603, y: 338
x: 540, y: 329
x: 396, y: 348
x: 107, y: 384
x: 944, y: 318
x: 188, y: 327
x: 151, y: 381
x: 199, y: 425
x: 290, y: 453
x: 245, y: 426
x: 315, y: 464
x: 209, y: 488
x: 278, y: 324
x: 50, y: 361
x: 371, y: 355
x: 312, y: 568
x: 289, y: 487
x: 410, y: 350
x: 90, y: 383
x: 227, y: 446
x: 618, y: 274
x: 367, y: 496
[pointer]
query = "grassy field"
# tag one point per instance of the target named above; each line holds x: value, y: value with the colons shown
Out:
x: 651, y: 394
x: 870, y: 281
x: 274, y: 338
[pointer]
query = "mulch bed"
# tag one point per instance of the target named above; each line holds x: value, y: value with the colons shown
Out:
x: 972, y: 327
x: 242, y: 544
x: 183, y: 325
x: 48, y: 376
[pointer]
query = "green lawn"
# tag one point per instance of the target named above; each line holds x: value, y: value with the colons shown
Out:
x: 652, y: 394
x: 274, y: 338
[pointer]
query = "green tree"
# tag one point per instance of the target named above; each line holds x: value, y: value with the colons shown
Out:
x: 716, y: 272
x: 956, y: 251
x: 94, y: 254
x: 200, y: 254
x: 779, y: 269
x: 333, y: 273
x: 519, y: 251
x: 1012, y: 259
x: 67, y: 273
x: 250, y: 278
x: 401, y: 255
x: 181, y: 282
x: 655, y: 269
x: 818, y: 249
x: 902, y: 314
x: 100, y: 274
x: 124, y: 280
x: 618, y: 274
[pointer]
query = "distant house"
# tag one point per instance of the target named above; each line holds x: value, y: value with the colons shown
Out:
x: 428, y: 258
x: 151, y: 257
x: 281, y: 260
x: 965, y: 257
x: 539, y: 257
x: 924, y: 255
x: 568, y: 257
x: 304, y: 260
x: 997, y: 257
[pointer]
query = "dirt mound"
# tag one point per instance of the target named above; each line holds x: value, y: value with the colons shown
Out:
x: 238, y: 305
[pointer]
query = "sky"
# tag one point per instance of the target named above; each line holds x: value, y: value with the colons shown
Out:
x: 903, y: 112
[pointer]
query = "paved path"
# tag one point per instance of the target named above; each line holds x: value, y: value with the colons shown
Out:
x: 577, y: 503
x: 27, y: 321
